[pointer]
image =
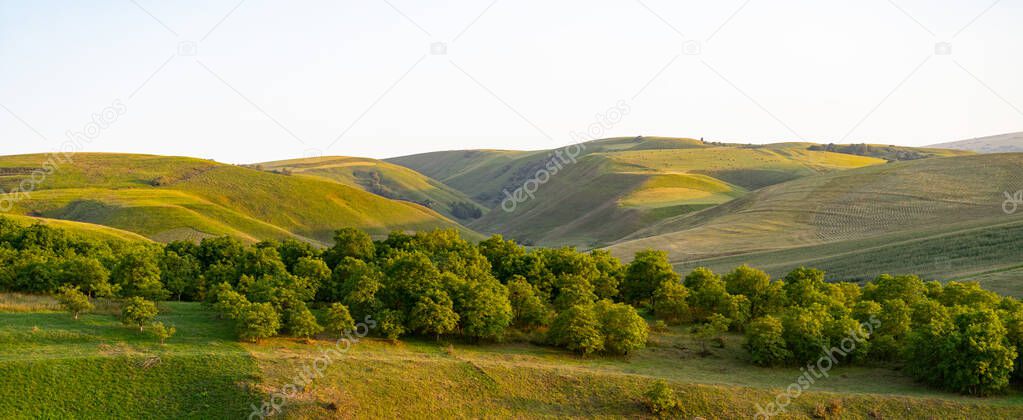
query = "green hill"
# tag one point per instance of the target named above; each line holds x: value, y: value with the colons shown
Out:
x: 939, y: 217
x: 620, y: 185
x: 168, y: 198
x: 387, y: 180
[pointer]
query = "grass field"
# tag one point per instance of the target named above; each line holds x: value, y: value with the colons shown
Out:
x: 168, y: 198
x: 54, y: 367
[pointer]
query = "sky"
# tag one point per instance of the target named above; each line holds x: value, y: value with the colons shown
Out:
x: 258, y: 80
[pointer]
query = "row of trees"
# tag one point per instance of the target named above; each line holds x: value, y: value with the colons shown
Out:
x: 955, y: 336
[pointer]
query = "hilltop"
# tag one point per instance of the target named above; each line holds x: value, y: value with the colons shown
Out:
x: 170, y: 198
x: 1002, y: 143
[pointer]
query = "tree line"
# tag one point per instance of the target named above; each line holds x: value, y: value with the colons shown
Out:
x: 956, y: 336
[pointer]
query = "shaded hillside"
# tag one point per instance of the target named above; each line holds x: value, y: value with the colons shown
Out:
x: 168, y: 198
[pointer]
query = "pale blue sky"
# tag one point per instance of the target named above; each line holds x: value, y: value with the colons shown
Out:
x: 280, y: 79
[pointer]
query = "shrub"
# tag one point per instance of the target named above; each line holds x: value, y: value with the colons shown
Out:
x: 162, y: 332
x: 716, y: 325
x: 660, y: 399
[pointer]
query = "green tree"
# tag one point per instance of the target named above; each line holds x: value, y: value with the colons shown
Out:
x: 391, y: 324
x: 293, y: 250
x: 574, y: 290
x: 528, y: 310
x: 339, y: 319
x: 87, y: 273
x: 350, y: 242
x: 433, y: 314
x: 137, y: 273
x: 765, y: 343
x: 162, y: 332
x: 671, y: 302
x: 501, y: 254
x: 623, y: 329
x: 707, y: 294
x: 301, y: 322
x: 577, y: 329
x: 610, y: 274
x: 73, y: 300
x: 138, y: 311
x: 803, y: 332
x: 258, y: 321
x: 485, y: 310
x: 180, y: 275
x: 713, y: 329
x: 314, y: 274
x: 648, y: 270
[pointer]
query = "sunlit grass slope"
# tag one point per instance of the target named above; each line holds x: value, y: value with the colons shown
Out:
x: 381, y: 178
x: 168, y: 198
x: 619, y: 186
x: 904, y: 215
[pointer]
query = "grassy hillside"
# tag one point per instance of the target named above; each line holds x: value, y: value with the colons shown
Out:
x: 168, y: 198
x: 55, y: 367
x: 894, y: 217
x: 619, y: 186
x: 87, y: 230
x: 1003, y: 143
x: 384, y: 179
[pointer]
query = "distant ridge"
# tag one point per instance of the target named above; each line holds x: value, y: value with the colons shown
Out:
x: 1002, y: 143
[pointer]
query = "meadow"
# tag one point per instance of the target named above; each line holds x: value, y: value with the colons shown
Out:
x: 98, y: 368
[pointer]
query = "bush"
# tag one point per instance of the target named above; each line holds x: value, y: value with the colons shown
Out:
x: 162, y: 332
x: 302, y: 323
x: 660, y: 399
x: 670, y: 302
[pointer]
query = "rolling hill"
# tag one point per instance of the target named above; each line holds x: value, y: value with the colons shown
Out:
x: 859, y: 223
x: 1003, y: 143
x: 618, y: 186
x: 169, y: 198
x: 387, y: 180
